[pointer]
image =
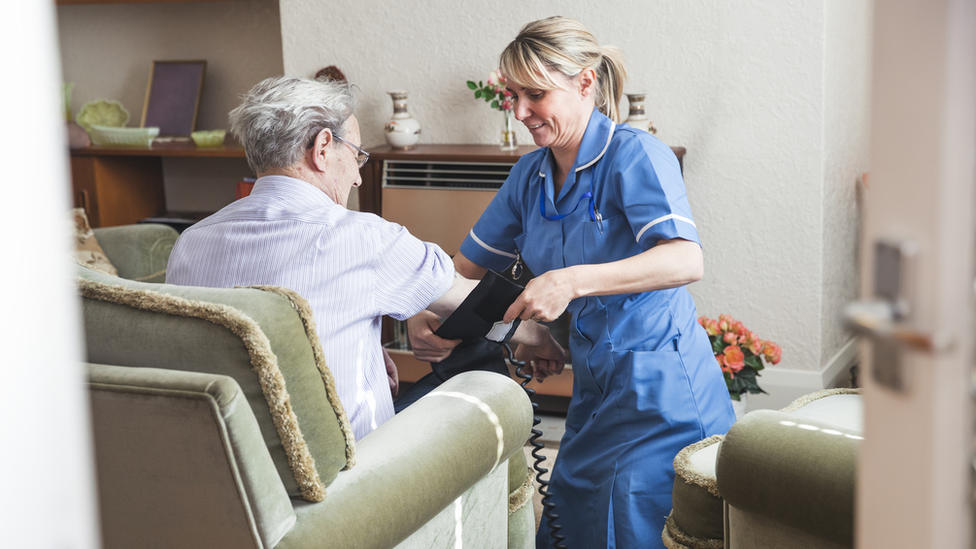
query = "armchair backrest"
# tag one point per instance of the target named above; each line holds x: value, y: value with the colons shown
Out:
x: 262, y: 337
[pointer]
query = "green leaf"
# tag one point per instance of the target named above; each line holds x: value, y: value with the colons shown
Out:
x: 472, y: 85
x: 494, y: 104
x: 717, y: 346
x: 477, y: 94
x: 734, y: 396
x: 753, y: 360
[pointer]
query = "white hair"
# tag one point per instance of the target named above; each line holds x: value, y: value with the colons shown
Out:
x: 280, y: 117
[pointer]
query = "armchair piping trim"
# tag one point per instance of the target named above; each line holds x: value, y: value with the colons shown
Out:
x: 522, y: 494
x: 683, y: 468
x: 308, y: 321
x: 151, y: 276
x: 807, y: 399
x: 263, y: 360
x: 674, y: 538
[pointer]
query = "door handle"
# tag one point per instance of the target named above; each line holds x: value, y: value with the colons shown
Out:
x: 877, y: 319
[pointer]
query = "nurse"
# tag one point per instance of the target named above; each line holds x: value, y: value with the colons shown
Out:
x: 599, y: 213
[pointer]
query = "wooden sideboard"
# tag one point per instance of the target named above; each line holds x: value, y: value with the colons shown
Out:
x: 123, y: 185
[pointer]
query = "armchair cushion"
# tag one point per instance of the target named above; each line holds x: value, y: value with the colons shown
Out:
x: 88, y: 252
x: 265, y: 340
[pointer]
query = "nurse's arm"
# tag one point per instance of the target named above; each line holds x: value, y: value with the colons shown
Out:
x: 427, y: 346
x: 669, y: 264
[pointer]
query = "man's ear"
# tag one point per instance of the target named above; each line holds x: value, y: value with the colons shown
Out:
x: 320, y: 148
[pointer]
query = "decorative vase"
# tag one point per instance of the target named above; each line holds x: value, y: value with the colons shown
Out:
x: 739, y: 406
x: 509, y: 143
x: 638, y: 118
x: 402, y: 131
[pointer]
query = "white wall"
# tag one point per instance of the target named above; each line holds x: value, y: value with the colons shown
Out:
x: 768, y: 98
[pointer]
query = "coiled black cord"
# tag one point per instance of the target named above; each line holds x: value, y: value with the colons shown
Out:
x: 548, y: 507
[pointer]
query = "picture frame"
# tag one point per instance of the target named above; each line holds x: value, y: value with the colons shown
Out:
x: 173, y: 97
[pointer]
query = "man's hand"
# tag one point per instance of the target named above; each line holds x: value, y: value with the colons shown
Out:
x: 544, y: 360
x: 427, y: 347
x: 391, y: 373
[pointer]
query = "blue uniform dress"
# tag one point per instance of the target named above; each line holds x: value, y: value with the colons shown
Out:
x: 646, y: 383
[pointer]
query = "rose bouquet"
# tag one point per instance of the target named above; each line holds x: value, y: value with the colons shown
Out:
x: 740, y: 353
x: 493, y: 92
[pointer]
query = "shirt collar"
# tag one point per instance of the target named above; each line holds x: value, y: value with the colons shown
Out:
x: 290, y: 189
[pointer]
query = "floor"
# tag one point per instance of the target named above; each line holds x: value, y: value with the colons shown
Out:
x: 552, y: 427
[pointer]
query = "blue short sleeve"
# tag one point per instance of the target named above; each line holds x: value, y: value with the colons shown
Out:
x: 491, y: 243
x: 651, y: 191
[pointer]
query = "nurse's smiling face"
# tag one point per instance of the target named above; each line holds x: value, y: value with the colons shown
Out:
x: 557, y: 117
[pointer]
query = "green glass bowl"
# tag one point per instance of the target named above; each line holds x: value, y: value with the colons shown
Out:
x: 211, y: 138
x: 102, y: 112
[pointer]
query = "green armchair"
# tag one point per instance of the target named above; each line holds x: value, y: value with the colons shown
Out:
x: 216, y: 424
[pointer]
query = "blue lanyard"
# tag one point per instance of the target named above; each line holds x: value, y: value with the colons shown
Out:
x: 594, y: 213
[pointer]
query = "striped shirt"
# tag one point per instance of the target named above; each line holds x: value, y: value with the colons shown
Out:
x: 352, y: 267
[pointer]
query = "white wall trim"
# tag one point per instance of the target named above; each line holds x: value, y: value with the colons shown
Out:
x: 784, y: 386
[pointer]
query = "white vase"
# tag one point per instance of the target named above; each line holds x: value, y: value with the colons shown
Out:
x: 402, y: 131
x: 637, y: 118
x: 509, y: 143
x: 739, y: 406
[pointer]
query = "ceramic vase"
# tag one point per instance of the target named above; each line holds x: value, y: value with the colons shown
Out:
x: 637, y: 118
x: 402, y: 131
x: 509, y: 143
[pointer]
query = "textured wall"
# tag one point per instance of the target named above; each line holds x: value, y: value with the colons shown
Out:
x: 846, y: 129
x: 744, y: 85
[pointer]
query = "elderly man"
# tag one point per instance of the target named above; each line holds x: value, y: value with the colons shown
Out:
x: 302, y: 140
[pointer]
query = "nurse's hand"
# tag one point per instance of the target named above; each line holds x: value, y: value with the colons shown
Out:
x: 545, y: 297
x: 427, y: 346
x: 544, y: 360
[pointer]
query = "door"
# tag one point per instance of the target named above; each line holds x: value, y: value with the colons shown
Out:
x: 914, y: 481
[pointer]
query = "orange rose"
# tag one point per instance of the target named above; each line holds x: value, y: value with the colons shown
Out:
x: 734, y: 358
x: 772, y: 352
x: 730, y: 338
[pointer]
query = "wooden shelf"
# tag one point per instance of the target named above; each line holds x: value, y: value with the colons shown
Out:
x: 179, y: 149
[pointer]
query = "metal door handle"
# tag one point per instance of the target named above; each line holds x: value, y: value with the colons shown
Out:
x: 876, y: 319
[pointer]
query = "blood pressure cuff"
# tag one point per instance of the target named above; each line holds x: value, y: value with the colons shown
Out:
x: 478, y: 323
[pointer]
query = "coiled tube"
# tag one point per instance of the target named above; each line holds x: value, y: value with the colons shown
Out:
x: 548, y: 507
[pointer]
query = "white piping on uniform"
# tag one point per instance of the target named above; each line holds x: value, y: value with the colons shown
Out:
x: 489, y: 248
x: 662, y: 219
x: 598, y: 157
x: 605, y: 147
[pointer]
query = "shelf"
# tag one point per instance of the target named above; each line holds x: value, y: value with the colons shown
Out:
x: 177, y: 149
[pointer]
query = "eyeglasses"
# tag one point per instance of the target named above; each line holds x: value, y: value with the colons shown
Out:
x: 362, y: 155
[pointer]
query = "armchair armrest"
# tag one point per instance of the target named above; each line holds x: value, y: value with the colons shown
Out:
x: 418, y: 463
x: 792, y: 469
x: 139, y: 252
x: 181, y: 462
